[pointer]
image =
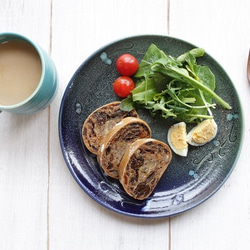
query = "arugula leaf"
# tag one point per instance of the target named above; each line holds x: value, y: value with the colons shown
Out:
x: 177, y: 88
x: 151, y: 55
x: 196, y: 52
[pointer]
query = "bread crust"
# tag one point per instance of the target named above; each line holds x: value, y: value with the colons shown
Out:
x: 117, y: 140
x: 100, y: 121
x: 142, y: 166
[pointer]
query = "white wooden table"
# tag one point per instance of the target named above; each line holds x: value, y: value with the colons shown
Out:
x: 41, y: 205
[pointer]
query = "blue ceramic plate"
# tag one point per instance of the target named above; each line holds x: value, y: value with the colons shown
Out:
x: 187, y: 182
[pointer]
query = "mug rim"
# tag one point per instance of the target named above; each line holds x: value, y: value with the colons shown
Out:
x: 38, y: 50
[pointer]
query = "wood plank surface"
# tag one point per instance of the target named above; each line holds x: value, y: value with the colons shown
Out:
x: 41, y: 205
x: 24, y: 145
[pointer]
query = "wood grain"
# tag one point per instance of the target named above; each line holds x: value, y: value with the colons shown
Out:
x: 41, y: 205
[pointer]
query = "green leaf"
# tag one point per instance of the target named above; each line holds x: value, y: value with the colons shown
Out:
x: 181, y: 75
x: 127, y: 104
x: 144, y: 91
x: 152, y: 54
x: 178, y: 88
x: 196, y: 52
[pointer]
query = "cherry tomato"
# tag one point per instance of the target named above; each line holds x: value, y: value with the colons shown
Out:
x: 127, y: 65
x: 123, y: 85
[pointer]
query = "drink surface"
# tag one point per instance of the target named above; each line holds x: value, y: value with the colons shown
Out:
x: 20, y: 71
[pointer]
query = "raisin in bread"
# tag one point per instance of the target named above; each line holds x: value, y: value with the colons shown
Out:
x: 116, y: 142
x: 142, y: 166
x: 100, y: 121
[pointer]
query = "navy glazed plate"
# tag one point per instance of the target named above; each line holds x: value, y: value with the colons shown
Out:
x: 188, y: 181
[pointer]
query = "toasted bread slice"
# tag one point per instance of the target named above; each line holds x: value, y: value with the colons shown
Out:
x: 116, y: 142
x: 142, y: 166
x: 100, y: 121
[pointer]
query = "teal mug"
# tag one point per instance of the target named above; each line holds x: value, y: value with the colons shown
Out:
x: 28, y: 76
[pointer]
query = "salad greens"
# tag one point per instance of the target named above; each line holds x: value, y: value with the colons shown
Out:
x: 174, y: 87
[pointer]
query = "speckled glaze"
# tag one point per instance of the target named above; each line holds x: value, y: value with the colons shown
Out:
x: 47, y: 87
x: 188, y: 181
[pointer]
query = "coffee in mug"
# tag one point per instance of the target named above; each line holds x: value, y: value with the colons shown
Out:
x: 28, y: 78
x: 20, y: 71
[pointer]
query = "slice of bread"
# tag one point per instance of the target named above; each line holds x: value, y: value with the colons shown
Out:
x: 116, y: 142
x: 142, y: 166
x: 100, y: 121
